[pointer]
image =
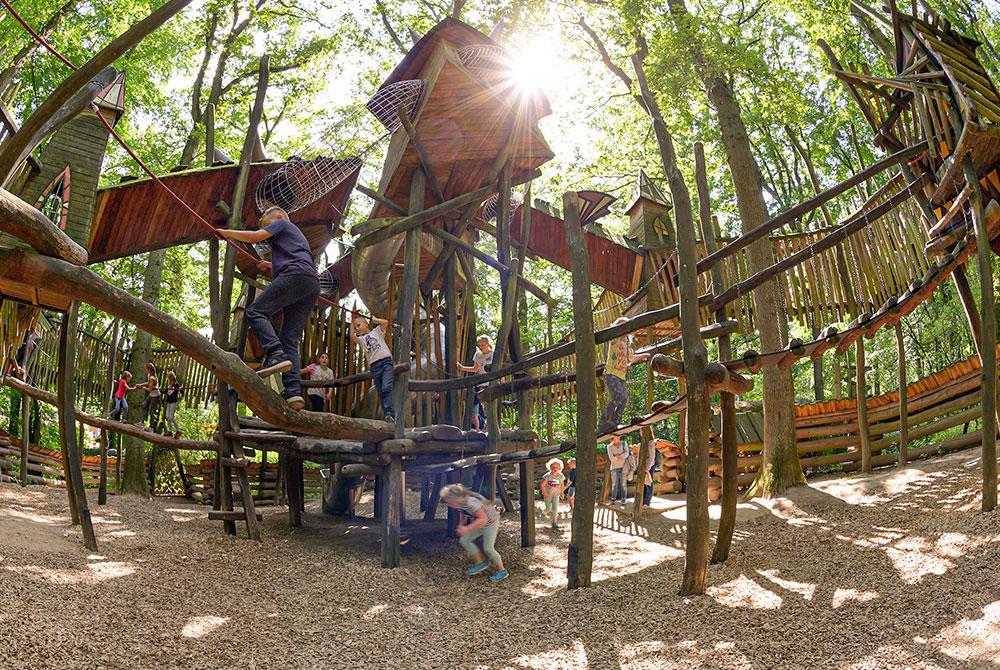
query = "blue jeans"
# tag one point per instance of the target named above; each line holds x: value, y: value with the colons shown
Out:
x: 382, y: 380
x: 294, y: 296
x: 121, y: 409
x: 618, y: 490
x: 615, y: 406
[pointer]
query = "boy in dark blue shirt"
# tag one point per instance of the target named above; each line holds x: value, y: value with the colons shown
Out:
x: 293, y: 291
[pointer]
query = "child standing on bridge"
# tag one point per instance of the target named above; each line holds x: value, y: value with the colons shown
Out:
x: 479, y: 519
x: 319, y: 370
x: 620, y: 356
x: 379, y: 359
x: 121, y: 404
x: 174, y: 391
x: 293, y: 291
x: 481, y: 362
x: 151, y: 403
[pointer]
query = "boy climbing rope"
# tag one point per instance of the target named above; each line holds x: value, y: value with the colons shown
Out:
x: 379, y: 359
x: 293, y: 291
x: 479, y: 519
x: 620, y: 356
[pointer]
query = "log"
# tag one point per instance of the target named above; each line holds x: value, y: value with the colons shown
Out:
x: 29, y: 225
x: 393, y: 482
x: 348, y: 380
x: 666, y: 366
x: 416, y: 219
x: 110, y: 424
x: 13, y: 151
x: 581, y: 548
x: 82, y: 284
x: 903, y: 419
x: 720, y: 378
x: 711, y: 331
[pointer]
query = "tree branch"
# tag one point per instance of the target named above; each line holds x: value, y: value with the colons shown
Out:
x: 382, y: 12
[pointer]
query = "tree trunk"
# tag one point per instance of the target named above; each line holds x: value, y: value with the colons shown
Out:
x: 780, y: 467
x: 134, y: 476
x: 21, y: 57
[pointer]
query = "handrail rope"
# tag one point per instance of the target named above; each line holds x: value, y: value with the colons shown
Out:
x: 38, y: 38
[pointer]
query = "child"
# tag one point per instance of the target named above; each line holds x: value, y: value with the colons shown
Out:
x: 552, y: 489
x: 483, y: 521
x: 121, y: 405
x: 151, y: 402
x: 481, y: 362
x: 293, y: 291
x: 615, y: 370
x: 617, y: 455
x: 319, y: 370
x: 571, y: 487
x: 174, y: 391
x: 379, y: 359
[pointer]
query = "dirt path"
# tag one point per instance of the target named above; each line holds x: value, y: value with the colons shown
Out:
x: 899, y: 570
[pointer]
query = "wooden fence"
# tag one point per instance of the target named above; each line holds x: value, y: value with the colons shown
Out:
x: 45, y: 465
x: 263, y: 482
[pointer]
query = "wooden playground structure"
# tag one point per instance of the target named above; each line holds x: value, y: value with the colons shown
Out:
x: 461, y: 136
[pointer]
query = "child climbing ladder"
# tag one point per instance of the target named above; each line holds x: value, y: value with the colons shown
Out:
x: 293, y: 291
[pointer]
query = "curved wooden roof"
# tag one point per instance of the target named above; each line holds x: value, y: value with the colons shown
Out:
x: 139, y: 216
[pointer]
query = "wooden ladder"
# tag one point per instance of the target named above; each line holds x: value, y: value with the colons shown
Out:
x: 232, y: 457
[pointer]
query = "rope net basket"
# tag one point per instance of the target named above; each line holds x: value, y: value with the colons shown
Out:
x: 386, y: 102
x: 301, y: 182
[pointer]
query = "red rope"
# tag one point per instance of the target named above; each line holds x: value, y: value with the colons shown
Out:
x: 38, y: 38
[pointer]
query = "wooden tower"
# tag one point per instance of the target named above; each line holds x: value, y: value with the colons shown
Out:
x: 651, y: 228
x: 65, y: 188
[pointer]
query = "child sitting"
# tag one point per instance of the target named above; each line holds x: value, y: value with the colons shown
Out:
x: 379, y: 359
x: 552, y: 489
x: 319, y: 370
x: 121, y: 404
x: 620, y: 356
x: 481, y: 362
x: 173, y: 394
x: 479, y: 519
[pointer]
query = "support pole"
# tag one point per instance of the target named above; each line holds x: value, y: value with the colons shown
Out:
x: 727, y: 401
x: 404, y: 310
x: 25, y: 436
x: 390, y: 514
x: 102, y: 492
x: 67, y: 421
x: 860, y: 395
x: 904, y: 427
x: 581, y: 546
x: 987, y: 341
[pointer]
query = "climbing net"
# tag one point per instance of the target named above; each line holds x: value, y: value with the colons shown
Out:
x: 488, y: 61
x: 387, y: 101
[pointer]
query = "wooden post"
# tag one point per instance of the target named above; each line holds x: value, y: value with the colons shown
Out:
x: 102, y: 492
x: 293, y: 490
x: 390, y: 515
x: 903, y: 418
x: 730, y: 453
x: 451, y: 338
x: 581, y: 546
x: 454, y: 477
x: 404, y: 309
x: 987, y: 339
x: 526, y: 500
x: 25, y: 437
x: 860, y: 395
x: 67, y: 419
x: 508, y: 303
x: 640, y: 475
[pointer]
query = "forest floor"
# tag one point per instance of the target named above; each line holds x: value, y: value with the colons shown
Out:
x: 896, y: 570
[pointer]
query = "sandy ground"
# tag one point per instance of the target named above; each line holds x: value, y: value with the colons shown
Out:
x: 899, y: 570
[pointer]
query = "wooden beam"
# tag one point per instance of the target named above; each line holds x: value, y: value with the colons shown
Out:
x: 29, y: 225
x: 21, y: 144
x: 381, y: 199
x: 405, y: 307
x: 418, y: 147
x: 82, y: 284
x: 393, y: 483
x: 581, y: 547
x: 25, y: 437
x: 67, y: 429
x: 718, y: 329
x: 443, y: 234
x: 987, y: 338
x: 861, y: 393
x: 102, y: 491
x: 903, y: 418
x: 417, y: 218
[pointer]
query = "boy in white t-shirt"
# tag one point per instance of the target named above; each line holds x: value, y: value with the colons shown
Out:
x: 379, y: 358
x: 482, y: 359
x: 553, y: 483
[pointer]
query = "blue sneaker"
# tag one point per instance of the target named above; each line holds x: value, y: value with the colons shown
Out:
x: 499, y: 576
x: 477, y: 568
